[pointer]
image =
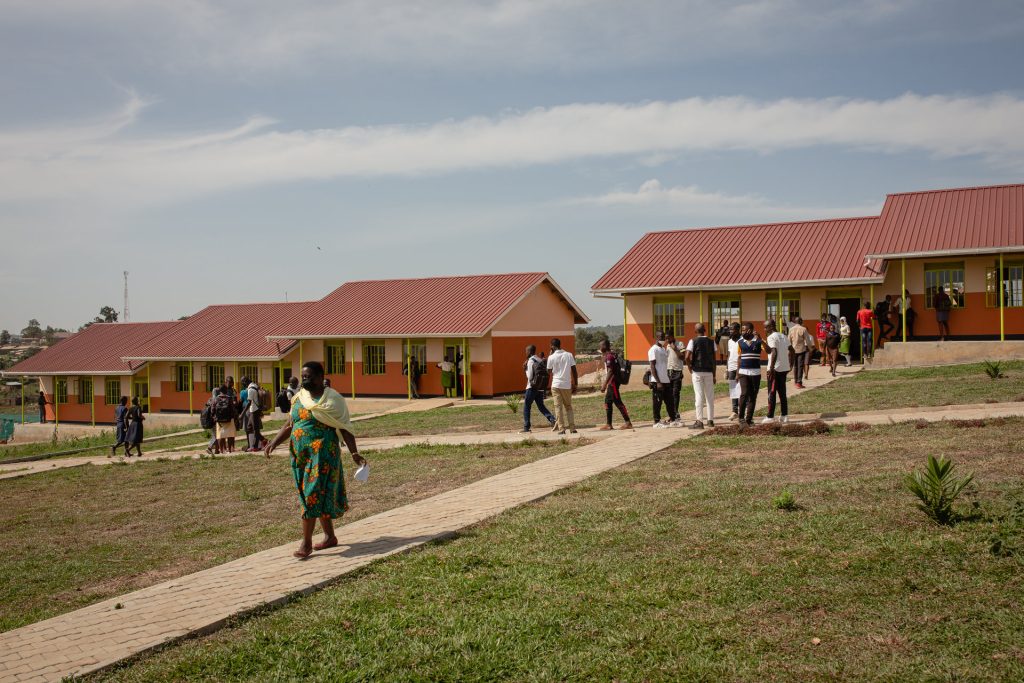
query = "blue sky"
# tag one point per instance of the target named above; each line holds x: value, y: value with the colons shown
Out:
x: 209, y: 148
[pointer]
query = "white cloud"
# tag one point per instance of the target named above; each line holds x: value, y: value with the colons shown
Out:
x: 101, y: 162
x: 692, y: 201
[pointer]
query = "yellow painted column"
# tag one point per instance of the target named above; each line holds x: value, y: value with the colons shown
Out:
x: 149, y: 388
x: 191, y: 381
x: 22, y: 400
x: 92, y: 404
x: 408, y: 368
x: 469, y: 372
x: 874, y: 323
x: 780, y: 320
x: 300, y: 357
x: 1002, y: 303
x: 352, y: 361
x: 56, y: 403
x: 903, y: 297
x: 465, y: 385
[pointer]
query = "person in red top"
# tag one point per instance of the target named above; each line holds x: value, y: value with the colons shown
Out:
x: 824, y: 326
x: 864, y: 319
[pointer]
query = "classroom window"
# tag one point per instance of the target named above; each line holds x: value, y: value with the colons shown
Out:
x: 334, y: 359
x: 948, y: 277
x: 85, y: 390
x: 1012, y: 283
x: 183, y: 379
x: 790, y: 309
x: 60, y: 390
x: 373, y: 358
x: 724, y: 311
x: 214, y: 375
x: 112, y: 391
x: 250, y: 371
x: 417, y: 350
x: 669, y: 317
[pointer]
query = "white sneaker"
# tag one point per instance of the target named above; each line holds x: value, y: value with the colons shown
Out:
x: 660, y: 425
x: 676, y: 423
x: 768, y: 420
x: 784, y: 419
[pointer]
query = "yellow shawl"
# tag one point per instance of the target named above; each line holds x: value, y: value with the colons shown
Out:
x: 331, y: 409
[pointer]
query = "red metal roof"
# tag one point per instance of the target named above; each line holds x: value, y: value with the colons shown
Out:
x: 98, y: 349
x: 773, y: 254
x: 961, y: 220
x: 223, y: 332
x: 440, y: 306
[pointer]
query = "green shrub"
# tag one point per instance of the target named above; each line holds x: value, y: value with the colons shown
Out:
x: 785, y: 501
x: 993, y: 370
x: 937, y: 488
x: 513, y: 401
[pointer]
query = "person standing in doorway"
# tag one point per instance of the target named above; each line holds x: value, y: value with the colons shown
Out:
x: 661, y: 387
x: 121, y: 426
x: 865, y: 320
x: 749, y: 372
x: 943, y: 304
x: 536, y: 382
x: 611, y: 387
x: 883, y: 313
x: 562, y: 368
x: 700, y: 358
x: 780, y: 358
x: 41, y: 402
x: 447, y: 369
x: 676, y: 363
x: 732, y: 367
x: 801, y: 341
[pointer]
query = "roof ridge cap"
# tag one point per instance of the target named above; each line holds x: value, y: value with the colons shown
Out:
x: 955, y: 189
x: 762, y: 225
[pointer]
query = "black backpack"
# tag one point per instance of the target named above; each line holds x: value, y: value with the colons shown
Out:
x: 206, y: 420
x: 540, y: 375
x: 625, y: 369
x: 703, y: 355
x: 224, y: 409
x: 283, y: 403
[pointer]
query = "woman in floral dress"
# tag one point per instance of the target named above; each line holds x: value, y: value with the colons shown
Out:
x: 318, y: 414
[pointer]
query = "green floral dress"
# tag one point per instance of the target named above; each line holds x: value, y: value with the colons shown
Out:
x: 316, y: 464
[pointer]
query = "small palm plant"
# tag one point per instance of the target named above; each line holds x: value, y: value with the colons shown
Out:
x: 513, y: 401
x: 993, y: 370
x: 937, y: 489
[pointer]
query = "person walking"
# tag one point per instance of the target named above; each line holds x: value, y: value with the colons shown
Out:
x: 213, y: 447
x: 562, y: 368
x: 134, y: 418
x: 41, y: 402
x: 700, y: 358
x: 661, y: 387
x: 865, y: 320
x: 780, y: 359
x: 676, y: 363
x: 121, y: 426
x: 611, y: 387
x: 536, y: 382
x: 318, y: 417
x: 844, y: 340
x: 801, y: 341
x: 732, y: 366
x: 822, y: 333
x: 832, y: 349
x: 943, y: 305
x: 253, y: 416
x: 225, y: 410
x: 749, y: 372
x: 883, y: 314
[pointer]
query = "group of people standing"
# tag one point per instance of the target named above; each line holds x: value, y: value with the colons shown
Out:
x: 227, y: 411
x: 557, y: 373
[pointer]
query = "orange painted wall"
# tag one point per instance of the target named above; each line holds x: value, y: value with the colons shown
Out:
x: 171, y: 400
x: 540, y: 310
x: 509, y: 354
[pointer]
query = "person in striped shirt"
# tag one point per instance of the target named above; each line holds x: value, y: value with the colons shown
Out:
x: 749, y: 373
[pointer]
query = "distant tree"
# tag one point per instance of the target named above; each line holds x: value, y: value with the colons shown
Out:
x: 184, y: 317
x: 32, y: 330
x: 5, y: 338
x: 107, y: 315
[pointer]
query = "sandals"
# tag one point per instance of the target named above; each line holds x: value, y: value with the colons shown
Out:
x: 329, y: 543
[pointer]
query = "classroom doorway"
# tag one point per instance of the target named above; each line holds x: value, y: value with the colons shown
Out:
x: 282, y: 374
x: 847, y: 307
x: 140, y: 389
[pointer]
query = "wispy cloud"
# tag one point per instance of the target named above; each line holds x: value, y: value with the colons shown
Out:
x: 100, y: 162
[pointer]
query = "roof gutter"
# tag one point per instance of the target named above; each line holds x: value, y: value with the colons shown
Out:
x: 948, y: 252
x: 69, y: 373
x: 788, y: 284
x: 404, y: 335
x: 198, y: 359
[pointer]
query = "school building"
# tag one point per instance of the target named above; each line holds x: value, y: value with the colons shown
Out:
x: 364, y: 333
x: 968, y: 242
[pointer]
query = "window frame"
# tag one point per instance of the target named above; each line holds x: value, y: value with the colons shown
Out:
x: 82, y: 383
x: 374, y: 366
x: 210, y: 368
x: 992, y: 294
x: 712, y: 300
x: 111, y: 398
x: 788, y: 299
x: 418, y: 350
x: 945, y: 267
x: 60, y: 390
x: 183, y: 382
x: 678, y: 315
x: 250, y: 370
x: 338, y: 348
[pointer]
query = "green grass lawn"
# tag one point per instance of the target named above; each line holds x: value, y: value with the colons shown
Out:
x: 678, y: 567
x: 589, y: 410
x: 913, y: 387
x: 76, y: 536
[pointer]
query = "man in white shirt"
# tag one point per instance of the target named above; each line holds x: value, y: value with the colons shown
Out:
x: 780, y: 357
x: 536, y: 383
x: 732, y: 367
x: 562, y: 367
x: 676, y: 363
x: 700, y: 358
x: 661, y: 386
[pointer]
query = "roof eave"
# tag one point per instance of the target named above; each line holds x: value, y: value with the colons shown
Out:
x: 789, y: 284
x: 193, y: 359
x: 69, y: 373
x: 404, y: 335
x: 974, y: 251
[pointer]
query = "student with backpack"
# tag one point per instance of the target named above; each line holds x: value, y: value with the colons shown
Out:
x: 536, y: 382
x: 700, y: 358
x: 613, y: 375
x: 257, y: 400
x: 207, y: 421
x: 225, y: 410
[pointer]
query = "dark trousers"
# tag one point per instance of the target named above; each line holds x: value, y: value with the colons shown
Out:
x: 799, y: 366
x: 660, y: 396
x: 865, y: 342
x: 42, y: 414
x: 612, y: 397
x: 777, y: 386
x: 884, y: 327
x: 675, y: 378
x: 535, y: 396
x: 749, y: 386
x: 253, y: 425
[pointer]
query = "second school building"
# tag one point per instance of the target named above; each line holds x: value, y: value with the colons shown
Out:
x: 968, y: 242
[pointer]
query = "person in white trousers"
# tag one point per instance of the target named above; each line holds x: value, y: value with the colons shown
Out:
x: 700, y: 358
